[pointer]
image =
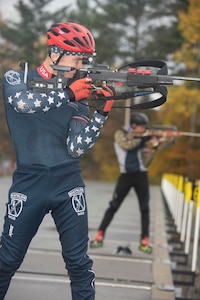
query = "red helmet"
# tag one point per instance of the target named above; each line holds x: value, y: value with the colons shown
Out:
x: 71, y: 37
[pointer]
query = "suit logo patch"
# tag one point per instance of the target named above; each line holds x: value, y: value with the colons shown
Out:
x: 16, y: 205
x: 13, y: 77
x: 78, y: 200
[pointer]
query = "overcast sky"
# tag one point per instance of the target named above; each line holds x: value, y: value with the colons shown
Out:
x: 8, y: 11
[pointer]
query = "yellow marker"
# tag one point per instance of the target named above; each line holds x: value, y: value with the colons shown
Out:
x: 198, y: 194
x: 180, y: 183
x: 188, y: 191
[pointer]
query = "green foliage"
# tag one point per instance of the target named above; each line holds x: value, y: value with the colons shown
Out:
x: 130, y: 30
x: 26, y: 38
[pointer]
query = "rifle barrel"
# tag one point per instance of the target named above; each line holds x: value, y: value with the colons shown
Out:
x: 185, y: 78
x: 195, y: 134
x: 174, y: 133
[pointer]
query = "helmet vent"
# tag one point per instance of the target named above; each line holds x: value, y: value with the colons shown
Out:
x: 78, y: 41
x: 85, y: 40
x: 91, y: 41
x: 65, y: 30
x: 75, y: 28
x: 54, y: 32
x: 68, y: 43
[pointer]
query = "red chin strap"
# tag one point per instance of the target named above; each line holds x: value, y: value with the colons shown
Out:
x: 44, y: 73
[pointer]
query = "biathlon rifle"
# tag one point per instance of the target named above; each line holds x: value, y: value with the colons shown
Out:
x: 168, y: 132
x: 141, y: 76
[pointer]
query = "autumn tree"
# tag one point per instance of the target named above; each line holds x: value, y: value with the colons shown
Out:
x: 182, y: 107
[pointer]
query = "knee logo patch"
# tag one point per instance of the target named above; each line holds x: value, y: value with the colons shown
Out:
x: 16, y: 205
x: 78, y: 200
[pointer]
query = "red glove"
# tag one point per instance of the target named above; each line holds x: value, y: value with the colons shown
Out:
x: 104, y: 106
x: 80, y: 89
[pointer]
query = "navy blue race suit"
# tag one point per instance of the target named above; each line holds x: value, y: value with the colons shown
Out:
x: 49, y: 134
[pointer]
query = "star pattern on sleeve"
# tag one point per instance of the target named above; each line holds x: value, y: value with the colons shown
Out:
x: 37, y: 103
x: 80, y: 152
x: 80, y: 142
x: 72, y: 147
x: 61, y: 95
x: 31, y: 111
x: 10, y: 100
x: 50, y: 100
x: 46, y: 109
x: 30, y: 95
x: 59, y: 104
x: 94, y: 128
x: 88, y: 140
x: 79, y: 139
x: 30, y: 102
x: 17, y: 95
x: 20, y: 105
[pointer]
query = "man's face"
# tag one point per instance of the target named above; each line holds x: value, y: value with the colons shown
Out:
x: 71, y: 61
x: 138, y: 128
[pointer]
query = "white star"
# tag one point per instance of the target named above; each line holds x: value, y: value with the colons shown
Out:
x: 79, y: 152
x: 91, y: 145
x: 50, y: 100
x: 87, y: 129
x: 43, y: 95
x: 21, y: 104
x: 37, y: 103
x: 31, y: 111
x: 98, y: 133
x: 30, y: 95
x: 61, y: 95
x: 68, y: 139
x: 98, y: 120
x: 18, y: 94
x: 79, y: 139
x: 46, y: 109
x: 59, y: 104
x: 88, y: 140
x: 94, y: 128
x: 72, y: 147
x: 10, y: 100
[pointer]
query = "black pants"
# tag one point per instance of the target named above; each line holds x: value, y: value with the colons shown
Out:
x: 139, y: 181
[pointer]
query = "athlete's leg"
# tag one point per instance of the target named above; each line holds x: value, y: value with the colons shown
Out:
x: 141, y: 185
x: 122, y: 188
x: 70, y: 216
x: 25, y: 212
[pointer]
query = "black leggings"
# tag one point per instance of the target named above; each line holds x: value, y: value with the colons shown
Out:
x: 139, y: 181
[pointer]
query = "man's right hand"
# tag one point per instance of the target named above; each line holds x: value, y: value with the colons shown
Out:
x: 80, y: 89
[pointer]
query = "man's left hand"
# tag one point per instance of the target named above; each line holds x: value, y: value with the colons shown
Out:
x: 104, y: 106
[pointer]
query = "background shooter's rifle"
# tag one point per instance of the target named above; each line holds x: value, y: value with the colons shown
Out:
x: 160, y: 131
x: 166, y: 135
x: 144, y: 81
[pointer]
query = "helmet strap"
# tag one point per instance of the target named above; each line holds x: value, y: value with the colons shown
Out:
x: 58, y: 59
